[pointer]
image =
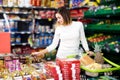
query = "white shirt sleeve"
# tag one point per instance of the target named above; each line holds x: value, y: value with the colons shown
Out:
x: 55, y: 41
x: 83, y: 38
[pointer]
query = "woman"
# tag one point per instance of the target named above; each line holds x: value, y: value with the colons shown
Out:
x: 69, y: 33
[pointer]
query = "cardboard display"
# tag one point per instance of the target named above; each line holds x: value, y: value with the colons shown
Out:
x: 5, y: 46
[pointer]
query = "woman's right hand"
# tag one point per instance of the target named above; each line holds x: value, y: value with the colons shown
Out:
x: 37, y: 56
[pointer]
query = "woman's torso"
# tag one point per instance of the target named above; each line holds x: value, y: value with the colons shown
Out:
x: 69, y: 40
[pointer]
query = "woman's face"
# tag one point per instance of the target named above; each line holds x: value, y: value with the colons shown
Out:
x: 59, y: 18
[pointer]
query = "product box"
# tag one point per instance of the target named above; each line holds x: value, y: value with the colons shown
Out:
x: 86, y: 60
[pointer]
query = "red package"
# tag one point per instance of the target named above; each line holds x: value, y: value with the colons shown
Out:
x: 53, y: 70
x: 70, y: 68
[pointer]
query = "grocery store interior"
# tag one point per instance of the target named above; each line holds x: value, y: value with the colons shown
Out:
x: 27, y: 26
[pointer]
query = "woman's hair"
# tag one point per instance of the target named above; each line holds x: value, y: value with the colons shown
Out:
x: 65, y: 13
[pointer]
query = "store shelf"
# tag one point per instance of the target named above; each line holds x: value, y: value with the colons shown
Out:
x: 103, y: 27
x: 106, y: 21
x: 108, y: 2
x: 102, y: 13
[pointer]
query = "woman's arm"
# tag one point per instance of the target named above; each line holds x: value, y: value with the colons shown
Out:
x: 55, y: 41
x: 84, y: 41
x: 83, y: 38
x: 51, y: 47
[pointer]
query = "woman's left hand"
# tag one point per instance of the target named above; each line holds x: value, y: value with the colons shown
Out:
x: 90, y: 53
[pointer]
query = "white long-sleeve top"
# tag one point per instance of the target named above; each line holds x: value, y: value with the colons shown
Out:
x: 70, y: 37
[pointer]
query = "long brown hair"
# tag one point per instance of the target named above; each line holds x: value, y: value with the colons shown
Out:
x: 65, y: 13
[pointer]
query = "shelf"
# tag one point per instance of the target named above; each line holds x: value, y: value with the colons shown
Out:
x: 103, y: 27
x: 6, y: 6
x: 23, y: 32
x: 83, y: 7
x: 108, y: 2
x: 102, y: 13
x: 43, y: 8
x: 14, y: 44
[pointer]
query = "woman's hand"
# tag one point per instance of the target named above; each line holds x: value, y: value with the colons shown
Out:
x: 90, y: 53
x: 37, y: 56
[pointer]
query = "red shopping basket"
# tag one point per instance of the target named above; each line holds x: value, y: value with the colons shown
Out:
x: 5, y: 46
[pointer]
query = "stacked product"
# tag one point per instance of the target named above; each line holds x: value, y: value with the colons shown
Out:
x: 70, y: 68
x: 53, y: 70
